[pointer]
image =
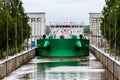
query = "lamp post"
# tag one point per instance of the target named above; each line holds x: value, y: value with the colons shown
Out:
x: 27, y: 35
x: 104, y: 34
x: 16, y: 25
x: 109, y: 24
x: 116, y: 32
x: 7, y: 3
x: 7, y: 37
x: 22, y: 30
x: 109, y: 37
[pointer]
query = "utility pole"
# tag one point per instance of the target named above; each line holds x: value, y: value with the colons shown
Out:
x: 7, y: 36
x: 16, y: 31
x: 27, y: 38
x: 22, y: 30
x: 7, y: 4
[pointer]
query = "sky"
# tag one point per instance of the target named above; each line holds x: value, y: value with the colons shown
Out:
x: 64, y: 10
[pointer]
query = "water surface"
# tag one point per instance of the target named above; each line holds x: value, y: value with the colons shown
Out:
x: 86, y: 68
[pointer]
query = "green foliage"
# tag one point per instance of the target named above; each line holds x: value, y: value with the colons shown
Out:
x: 12, y: 15
x: 2, y: 55
x: 111, y: 13
x: 47, y: 30
x: 86, y: 29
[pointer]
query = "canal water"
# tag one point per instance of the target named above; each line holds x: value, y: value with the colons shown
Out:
x: 85, y: 68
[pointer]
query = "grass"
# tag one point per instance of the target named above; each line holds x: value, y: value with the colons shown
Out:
x: 111, y: 51
x: 2, y: 55
x: 11, y: 52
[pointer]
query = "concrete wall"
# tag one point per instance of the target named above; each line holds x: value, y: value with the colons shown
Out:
x: 110, y: 63
x: 13, y: 63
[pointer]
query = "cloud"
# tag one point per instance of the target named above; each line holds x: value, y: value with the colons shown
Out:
x: 65, y: 9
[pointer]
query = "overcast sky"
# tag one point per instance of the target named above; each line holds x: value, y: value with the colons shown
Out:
x: 64, y: 10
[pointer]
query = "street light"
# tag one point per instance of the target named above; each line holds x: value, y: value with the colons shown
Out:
x: 104, y: 33
x: 27, y: 35
x: 116, y: 32
x: 110, y: 32
x: 7, y: 4
x: 22, y: 31
x: 7, y: 36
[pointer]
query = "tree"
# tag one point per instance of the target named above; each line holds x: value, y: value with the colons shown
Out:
x: 110, y: 23
x: 12, y: 14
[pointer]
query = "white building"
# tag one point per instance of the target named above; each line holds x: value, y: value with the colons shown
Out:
x: 66, y: 29
x: 37, y: 23
x: 95, y: 32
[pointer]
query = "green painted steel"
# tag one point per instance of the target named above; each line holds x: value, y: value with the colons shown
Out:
x: 74, y: 36
x: 63, y: 47
x: 78, y: 44
x: 46, y: 44
x: 51, y: 36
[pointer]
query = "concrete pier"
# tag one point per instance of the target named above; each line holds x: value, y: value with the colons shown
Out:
x: 109, y: 62
x: 9, y: 65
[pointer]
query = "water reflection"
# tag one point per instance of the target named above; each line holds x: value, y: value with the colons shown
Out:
x: 70, y: 69
x: 62, y: 69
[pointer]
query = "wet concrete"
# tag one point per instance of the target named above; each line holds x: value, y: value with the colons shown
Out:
x: 87, y: 68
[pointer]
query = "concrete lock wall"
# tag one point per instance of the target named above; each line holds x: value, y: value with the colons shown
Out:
x: 112, y: 65
x: 13, y: 63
